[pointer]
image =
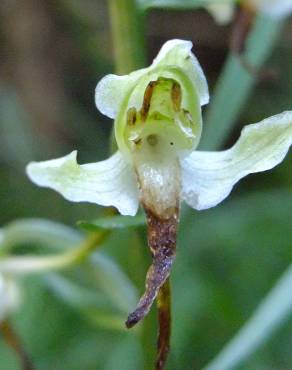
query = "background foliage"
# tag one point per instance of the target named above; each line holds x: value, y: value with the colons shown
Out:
x: 229, y: 258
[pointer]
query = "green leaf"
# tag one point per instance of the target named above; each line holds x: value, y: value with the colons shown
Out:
x: 98, y: 289
x: 113, y: 281
x: 272, y: 312
x: 236, y: 83
x: 112, y: 223
x: 38, y: 232
x: 127, y: 353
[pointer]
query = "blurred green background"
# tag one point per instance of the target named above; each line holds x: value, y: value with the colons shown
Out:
x: 52, y: 55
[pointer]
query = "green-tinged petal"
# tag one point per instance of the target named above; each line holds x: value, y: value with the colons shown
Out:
x: 178, y: 53
x: 175, y: 58
x: 109, y: 183
x: 208, y: 177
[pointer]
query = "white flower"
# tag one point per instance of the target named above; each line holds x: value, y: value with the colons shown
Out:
x: 157, y: 113
x: 9, y: 296
x: 223, y: 10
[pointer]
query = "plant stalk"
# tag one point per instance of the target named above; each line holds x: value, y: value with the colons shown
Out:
x: 127, y: 35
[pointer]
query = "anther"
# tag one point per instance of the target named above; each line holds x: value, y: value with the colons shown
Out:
x: 131, y: 116
x: 176, y: 96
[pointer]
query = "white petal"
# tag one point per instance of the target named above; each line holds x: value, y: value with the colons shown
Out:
x: 109, y: 183
x: 112, y: 91
x: 222, y: 13
x: 109, y: 94
x: 208, y: 178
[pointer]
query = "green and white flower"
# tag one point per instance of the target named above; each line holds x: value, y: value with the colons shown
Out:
x: 158, y: 123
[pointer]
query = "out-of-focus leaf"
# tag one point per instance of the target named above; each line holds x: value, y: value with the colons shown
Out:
x: 235, y: 253
x: 235, y: 83
x: 73, y: 293
x: 239, y: 220
x: 99, y: 289
x: 114, y: 282
x: 272, y: 312
x: 93, y: 305
x: 127, y: 354
x: 39, y: 232
x: 56, y: 336
x: 111, y: 223
x: 177, y: 4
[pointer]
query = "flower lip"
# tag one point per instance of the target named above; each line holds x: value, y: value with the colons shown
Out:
x: 161, y: 119
x: 138, y: 99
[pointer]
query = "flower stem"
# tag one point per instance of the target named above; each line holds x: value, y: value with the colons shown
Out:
x: 164, y: 317
x: 162, y: 243
x: 14, y: 342
x: 127, y: 26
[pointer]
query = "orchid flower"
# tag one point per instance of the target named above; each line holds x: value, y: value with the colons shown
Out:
x: 158, y: 124
x: 223, y: 10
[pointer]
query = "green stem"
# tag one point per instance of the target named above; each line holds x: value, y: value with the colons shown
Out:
x: 30, y: 264
x: 127, y: 34
x: 127, y: 24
